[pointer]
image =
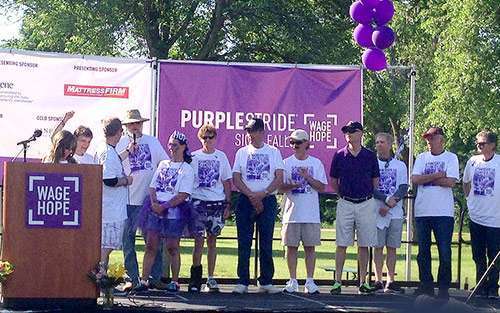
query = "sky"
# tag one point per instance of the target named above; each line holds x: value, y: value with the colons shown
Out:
x: 10, y: 25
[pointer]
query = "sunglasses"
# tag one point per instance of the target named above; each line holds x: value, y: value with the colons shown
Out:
x: 207, y: 137
x: 481, y: 144
x: 296, y: 142
x: 173, y: 145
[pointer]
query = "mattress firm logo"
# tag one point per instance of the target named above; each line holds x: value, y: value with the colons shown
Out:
x: 96, y: 91
x: 6, y: 85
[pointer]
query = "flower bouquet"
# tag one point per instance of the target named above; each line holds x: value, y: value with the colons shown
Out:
x: 6, y: 268
x: 107, y: 280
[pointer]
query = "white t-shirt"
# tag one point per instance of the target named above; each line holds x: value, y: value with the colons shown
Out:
x: 257, y: 166
x: 210, y: 170
x: 114, y: 199
x: 435, y: 200
x: 141, y: 165
x: 483, y: 200
x: 171, y: 178
x: 84, y: 159
x: 302, y: 203
x: 391, y: 177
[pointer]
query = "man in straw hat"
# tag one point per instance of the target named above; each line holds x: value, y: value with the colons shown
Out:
x: 141, y: 165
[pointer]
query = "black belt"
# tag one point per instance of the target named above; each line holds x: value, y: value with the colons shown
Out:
x: 356, y: 200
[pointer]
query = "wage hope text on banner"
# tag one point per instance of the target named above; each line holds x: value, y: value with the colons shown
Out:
x: 319, y: 100
x: 36, y: 89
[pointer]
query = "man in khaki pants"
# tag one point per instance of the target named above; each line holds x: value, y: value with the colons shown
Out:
x: 355, y: 175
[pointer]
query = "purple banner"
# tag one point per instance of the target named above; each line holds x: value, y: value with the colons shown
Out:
x: 53, y: 200
x: 320, y: 101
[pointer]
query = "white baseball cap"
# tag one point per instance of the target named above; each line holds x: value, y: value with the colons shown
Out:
x: 299, y: 134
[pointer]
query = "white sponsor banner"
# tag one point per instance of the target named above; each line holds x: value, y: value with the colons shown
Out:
x: 36, y: 89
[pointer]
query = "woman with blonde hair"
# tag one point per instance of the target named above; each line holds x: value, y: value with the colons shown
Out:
x: 63, y: 148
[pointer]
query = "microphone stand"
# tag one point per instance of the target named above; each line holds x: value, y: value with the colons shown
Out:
x: 23, y: 149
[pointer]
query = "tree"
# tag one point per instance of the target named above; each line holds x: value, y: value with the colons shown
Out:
x: 454, y: 45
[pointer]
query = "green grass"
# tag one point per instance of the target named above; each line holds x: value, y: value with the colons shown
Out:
x: 228, y: 257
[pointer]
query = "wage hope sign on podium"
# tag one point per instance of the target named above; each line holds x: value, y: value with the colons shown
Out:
x: 53, y: 200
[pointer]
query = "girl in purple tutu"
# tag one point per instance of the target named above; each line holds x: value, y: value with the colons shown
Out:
x: 165, y: 213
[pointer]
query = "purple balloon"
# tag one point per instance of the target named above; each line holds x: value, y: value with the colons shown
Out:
x: 363, y: 35
x: 374, y: 59
x: 383, y: 37
x: 361, y: 13
x: 384, y: 12
x: 370, y: 3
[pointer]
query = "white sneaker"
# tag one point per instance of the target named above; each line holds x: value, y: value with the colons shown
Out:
x: 291, y: 286
x: 240, y: 289
x: 268, y: 289
x: 310, y: 287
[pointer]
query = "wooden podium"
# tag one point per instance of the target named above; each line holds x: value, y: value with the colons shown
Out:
x: 52, y: 234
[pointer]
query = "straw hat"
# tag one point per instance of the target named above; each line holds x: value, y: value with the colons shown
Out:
x: 133, y: 116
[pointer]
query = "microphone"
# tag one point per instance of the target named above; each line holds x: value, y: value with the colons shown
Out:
x: 33, y: 137
x: 134, y: 137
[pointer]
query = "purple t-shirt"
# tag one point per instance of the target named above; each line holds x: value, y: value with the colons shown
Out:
x: 355, y: 174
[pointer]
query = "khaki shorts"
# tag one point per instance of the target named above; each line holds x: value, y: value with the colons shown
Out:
x: 390, y: 236
x: 359, y: 217
x: 112, y: 235
x: 293, y: 233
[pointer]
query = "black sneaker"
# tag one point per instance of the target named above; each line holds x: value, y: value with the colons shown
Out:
x: 141, y: 287
x: 378, y: 286
x: 392, y: 287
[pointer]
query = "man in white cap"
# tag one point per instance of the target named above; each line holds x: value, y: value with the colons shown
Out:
x: 304, y: 178
x: 141, y: 165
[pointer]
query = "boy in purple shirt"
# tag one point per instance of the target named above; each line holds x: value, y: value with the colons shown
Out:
x: 355, y: 175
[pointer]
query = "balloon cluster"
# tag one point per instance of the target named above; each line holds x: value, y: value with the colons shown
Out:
x: 372, y: 33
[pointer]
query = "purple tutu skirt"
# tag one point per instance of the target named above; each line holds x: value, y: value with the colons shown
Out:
x: 149, y: 221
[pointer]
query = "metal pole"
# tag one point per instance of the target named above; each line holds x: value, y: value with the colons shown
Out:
x: 409, y: 206
x: 256, y: 256
x: 460, y: 241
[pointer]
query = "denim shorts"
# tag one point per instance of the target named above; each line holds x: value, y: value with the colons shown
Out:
x: 170, y: 228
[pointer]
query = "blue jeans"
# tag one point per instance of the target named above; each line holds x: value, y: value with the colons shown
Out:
x: 485, y: 241
x: 442, y: 227
x: 129, y: 253
x: 245, y: 220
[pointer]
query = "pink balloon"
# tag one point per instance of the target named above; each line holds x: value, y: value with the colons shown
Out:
x: 383, y: 37
x: 374, y: 59
x: 384, y: 12
x: 361, y: 13
x: 363, y: 35
x: 370, y: 3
